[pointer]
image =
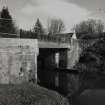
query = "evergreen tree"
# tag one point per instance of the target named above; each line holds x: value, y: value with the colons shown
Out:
x: 38, y: 28
x: 6, y: 22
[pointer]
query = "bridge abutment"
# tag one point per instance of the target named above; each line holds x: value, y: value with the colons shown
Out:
x: 18, y: 60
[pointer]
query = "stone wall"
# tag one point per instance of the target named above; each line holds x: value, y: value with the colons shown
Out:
x: 18, y: 60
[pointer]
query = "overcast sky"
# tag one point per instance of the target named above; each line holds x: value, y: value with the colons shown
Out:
x: 70, y: 11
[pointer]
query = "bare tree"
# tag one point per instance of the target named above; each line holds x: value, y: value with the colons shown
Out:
x: 90, y: 26
x: 55, y: 26
x: 100, y: 26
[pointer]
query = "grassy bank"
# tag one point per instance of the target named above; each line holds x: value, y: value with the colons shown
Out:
x: 29, y: 94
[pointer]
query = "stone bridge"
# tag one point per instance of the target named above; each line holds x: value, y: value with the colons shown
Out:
x: 27, y: 59
x: 46, y: 60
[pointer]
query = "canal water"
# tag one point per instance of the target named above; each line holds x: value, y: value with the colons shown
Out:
x: 90, y: 97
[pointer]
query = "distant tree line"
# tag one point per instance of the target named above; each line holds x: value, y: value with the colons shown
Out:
x: 54, y: 26
x: 89, y: 27
x: 7, y: 25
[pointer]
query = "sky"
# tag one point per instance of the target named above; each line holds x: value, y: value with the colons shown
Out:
x: 26, y: 12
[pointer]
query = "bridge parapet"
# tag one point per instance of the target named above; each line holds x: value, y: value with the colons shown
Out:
x: 54, y: 38
x: 61, y: 38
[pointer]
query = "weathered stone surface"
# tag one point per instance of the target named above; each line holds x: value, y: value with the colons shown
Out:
x: 18, y: 60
